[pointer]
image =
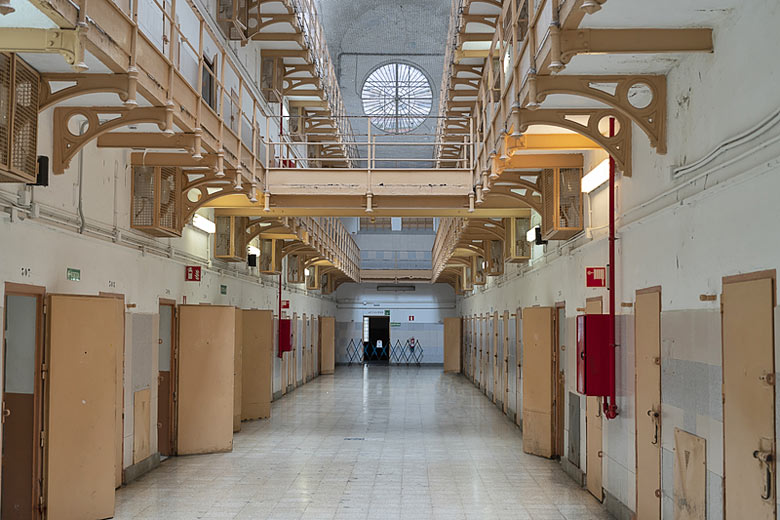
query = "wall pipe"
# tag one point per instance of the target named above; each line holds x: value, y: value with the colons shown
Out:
x: 610, y: 407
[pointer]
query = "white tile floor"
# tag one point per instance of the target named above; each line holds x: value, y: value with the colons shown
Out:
x: 373, y: 443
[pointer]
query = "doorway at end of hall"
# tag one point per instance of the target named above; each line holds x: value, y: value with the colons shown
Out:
x: 376, y: 339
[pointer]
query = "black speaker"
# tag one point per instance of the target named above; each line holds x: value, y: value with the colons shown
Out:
x: 251, y: 260
x: 42, y: 179
x: 539, y: 241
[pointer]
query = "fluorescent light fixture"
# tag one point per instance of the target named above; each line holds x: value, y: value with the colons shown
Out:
x: 204, y: 224
x: 596, y: 177
x: 530, y: 236
x: 306, y: 272
x: 252, y: 250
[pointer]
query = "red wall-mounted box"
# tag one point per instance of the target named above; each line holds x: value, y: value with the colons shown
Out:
x: 593, y: 354
x: 285, y: 336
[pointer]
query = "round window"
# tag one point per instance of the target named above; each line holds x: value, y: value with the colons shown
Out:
x: 398, y: 97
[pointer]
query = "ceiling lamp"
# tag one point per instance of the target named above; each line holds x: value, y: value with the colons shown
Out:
x: 596, y: 177
x: 204, y: 224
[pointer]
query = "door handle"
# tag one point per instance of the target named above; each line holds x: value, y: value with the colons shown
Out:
x: 767, y: 460
x: 6, y: 413
x: 654, y: 416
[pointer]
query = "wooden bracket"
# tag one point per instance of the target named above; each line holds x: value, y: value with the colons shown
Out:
x: 100, y: 120
x: 202, y: 186
x: 67, y: 42
x: 642, y: 98
x: 82, y: 84
x: 592, y: 123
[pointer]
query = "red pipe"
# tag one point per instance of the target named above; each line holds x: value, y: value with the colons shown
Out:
x: 279, y: 336
x: 610, y: 406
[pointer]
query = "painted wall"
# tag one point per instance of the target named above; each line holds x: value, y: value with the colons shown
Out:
x: 683, y: 232
x: 428, y: 304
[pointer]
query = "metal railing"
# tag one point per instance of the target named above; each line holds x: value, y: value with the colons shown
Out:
x: 408, y: 353
x: 307, y: 140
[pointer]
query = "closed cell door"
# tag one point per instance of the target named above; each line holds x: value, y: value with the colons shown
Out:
x: 21, y: 407
x: 648, y: 403
x: 749, y: 396
x: 166, y: 385
x: 538, y: 381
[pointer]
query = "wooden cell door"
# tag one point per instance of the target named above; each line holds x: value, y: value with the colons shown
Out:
x: 495, y: 382
x: 519, y: 371
x: 647, y: 327
x: 167, y: 379
x: 559, y: 391
x: 593, y: 427
x: 257, y: 364
x: 83, y: 336
x: 237, y: 370
x: 538, y: 381
x: 452, y: 328
x: 505, y: 361
x: 204, y: 399
x: 22, y: 411
x: 749, y: 396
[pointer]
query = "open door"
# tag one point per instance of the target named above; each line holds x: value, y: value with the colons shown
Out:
x: 559, y: 380
x: 257, y: 364
x: 205, y: 379
x: 22, y: 404
x: 747, y: 307
x: 538, y: 381
x: 167, y: 379
x: 593, y: 426
x: 83, y: 337
x: 237, y: 357
x: 119, y: 415
x: 647, y: 326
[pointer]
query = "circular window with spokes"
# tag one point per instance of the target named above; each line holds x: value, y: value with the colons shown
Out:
x: 398, y: 97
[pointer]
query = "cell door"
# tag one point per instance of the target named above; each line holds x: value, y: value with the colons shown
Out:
x: 84, y: 334
x: 749, y: 396
x: 505, y: 360
x: 494, y: 353
x: 21, y: 402
x: 166, y: 380
x: 647, y: 326
x: 519, y: 370
x: 559, y: 392
x: 593, y: 427
x: 538, y: 381
x: 205, y: 379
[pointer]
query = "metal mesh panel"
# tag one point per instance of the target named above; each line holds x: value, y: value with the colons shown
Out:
x: 496, y: 256
x: 168, y: 205
x: 222, y: 236
x: 143, y: 197
x: 293, y: 269
x: 548, y: 198
x: 522, y: 247
x: 25, y: 126
x: 570, y: 197
x: 5, y: 106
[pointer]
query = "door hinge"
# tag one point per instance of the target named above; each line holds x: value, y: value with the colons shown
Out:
x: 43, y: 439
x: 45, y: 309
x: 44, y: 370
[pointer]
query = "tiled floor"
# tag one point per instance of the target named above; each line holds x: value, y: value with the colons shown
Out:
x: 376, y: 443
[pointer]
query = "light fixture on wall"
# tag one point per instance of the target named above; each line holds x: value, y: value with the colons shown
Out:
x: 596, y: 177
x: 204, y: 224
x: 535, y: 235
x: 306, y: 272
x: 252, y: 250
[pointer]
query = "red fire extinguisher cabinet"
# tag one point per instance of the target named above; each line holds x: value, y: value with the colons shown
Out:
x: 285, y: 336
x: 593, y: 354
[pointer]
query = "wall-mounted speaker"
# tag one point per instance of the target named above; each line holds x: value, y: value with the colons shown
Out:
x: 251, y: 260
x: 42, y: 179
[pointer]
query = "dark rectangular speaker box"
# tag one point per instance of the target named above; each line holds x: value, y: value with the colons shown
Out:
x: 251, y: 260
x: 42, y: 179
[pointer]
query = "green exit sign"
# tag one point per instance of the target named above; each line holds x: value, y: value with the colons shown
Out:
x: 73, y: 275
x: 387, y: 312
x: 223, y: 289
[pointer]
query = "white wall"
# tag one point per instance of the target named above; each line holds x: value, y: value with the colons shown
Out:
x: 683, y: 234
x: 429, y: 304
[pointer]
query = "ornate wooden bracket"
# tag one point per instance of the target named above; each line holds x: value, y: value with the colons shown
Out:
x: 202, y: 186
x: 642, y: 98
x: 67, y: 42
x: 100, y: 120
x: 592, y: 123
x: 122, y: 84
